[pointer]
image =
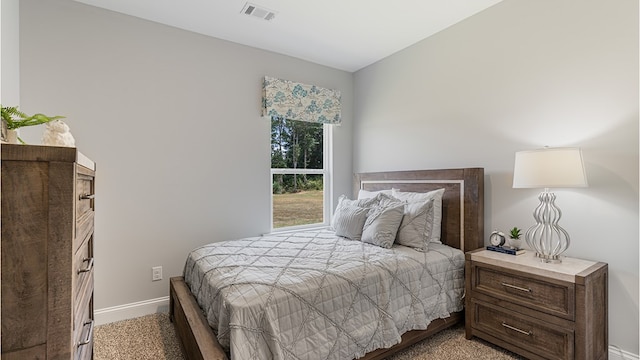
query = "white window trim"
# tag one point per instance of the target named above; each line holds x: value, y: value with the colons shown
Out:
x: 297, y: 171
x: 327, y: 171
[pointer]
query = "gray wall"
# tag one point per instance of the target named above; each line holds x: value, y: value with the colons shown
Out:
x: 10, y: 59
x: 521, y: 75
x: 172, y: 120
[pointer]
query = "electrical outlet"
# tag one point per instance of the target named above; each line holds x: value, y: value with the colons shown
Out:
x: 156, y: 273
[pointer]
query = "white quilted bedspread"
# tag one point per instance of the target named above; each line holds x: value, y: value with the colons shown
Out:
x: 313, y: 295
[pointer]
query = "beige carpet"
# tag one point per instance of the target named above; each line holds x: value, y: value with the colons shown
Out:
x: 152, y: 337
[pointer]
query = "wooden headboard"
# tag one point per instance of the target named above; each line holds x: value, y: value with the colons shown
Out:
x: 462, y: 202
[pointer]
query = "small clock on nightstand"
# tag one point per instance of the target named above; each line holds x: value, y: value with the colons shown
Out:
x: 497, y: 238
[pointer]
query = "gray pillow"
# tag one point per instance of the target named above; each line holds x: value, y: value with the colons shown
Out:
x: 348, y: 221
x: 381, y: 225
x: 436, y: 218
x: 417, y: 225
x: 350, y: 215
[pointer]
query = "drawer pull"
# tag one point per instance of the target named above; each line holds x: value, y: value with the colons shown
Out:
x: 87, y: 340
x: 88, y: 268
x: 516, y: 287
x: 87, y: 196
x: 528, y: 333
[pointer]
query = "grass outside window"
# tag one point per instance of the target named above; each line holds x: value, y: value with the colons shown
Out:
x: 301, y: 208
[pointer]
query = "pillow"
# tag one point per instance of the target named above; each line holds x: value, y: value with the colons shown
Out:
x: 436, y: 219
x: 350, y: 215
x: 383, y: 221
x: 366, y: 194
x: 348, y: 221
x: 366, y: 202
x: 415, y: 229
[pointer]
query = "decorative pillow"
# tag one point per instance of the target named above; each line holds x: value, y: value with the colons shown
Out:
x: 350, y: 215
x: 366, y: 194
x: 436, y: 219
x: 415, y: 229
x: 348, y: 221
x: 382, y: 223
x: 365, y: 202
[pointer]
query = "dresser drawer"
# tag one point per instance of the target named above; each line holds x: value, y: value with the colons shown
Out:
x: 83, y: 271
x: 525, y: 332
x: 84, y: 303
x: 83, y: 337
x: 83, y: 320
x: 85, y: 205
x: 84, y: 228
x: 555, y: 298
x: 85, y: 191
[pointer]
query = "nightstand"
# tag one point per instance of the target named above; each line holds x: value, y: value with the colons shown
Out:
x: 537, y: 310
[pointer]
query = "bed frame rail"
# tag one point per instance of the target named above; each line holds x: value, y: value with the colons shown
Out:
x: 197, y: 339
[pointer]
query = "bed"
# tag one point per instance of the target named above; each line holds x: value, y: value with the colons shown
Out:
x: 462, y: 228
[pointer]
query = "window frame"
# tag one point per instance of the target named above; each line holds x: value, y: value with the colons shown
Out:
x: 327, y: 182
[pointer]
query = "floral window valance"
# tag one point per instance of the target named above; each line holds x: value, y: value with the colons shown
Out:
x: 295, y: 101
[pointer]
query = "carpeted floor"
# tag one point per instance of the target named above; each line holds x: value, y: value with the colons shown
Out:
x: 152, y: 337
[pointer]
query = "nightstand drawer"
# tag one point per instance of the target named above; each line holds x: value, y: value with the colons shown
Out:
x: 528, y: 333
x: 557, y: 299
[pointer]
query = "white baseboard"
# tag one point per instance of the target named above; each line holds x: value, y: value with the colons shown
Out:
x: 152, y: 306
x: 615, y: 353
x: 130, y: 311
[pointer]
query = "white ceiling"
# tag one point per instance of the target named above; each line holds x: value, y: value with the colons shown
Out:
x: 342, y: 34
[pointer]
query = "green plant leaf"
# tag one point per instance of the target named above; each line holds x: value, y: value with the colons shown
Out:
x: 16, y: 119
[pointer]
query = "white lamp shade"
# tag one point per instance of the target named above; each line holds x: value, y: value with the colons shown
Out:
x: 549, y: 168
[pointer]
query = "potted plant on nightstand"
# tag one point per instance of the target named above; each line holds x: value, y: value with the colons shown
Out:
x: 514, y: 238
x: 13, y: 119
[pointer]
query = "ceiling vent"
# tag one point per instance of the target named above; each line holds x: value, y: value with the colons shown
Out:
x: 258, y: 11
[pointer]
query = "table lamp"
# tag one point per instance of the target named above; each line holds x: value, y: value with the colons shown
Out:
x: 548, y: 168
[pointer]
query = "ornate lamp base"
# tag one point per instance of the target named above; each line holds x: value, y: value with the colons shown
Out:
x: 547, y: 238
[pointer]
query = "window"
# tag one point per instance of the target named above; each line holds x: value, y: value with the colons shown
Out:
x: 299, y: 173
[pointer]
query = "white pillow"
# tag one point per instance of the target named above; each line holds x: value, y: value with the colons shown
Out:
x: 382, y: 223
x: 366, y: 202
x: 436, y: 220
x: 416, y: 228
x: 366, y: 194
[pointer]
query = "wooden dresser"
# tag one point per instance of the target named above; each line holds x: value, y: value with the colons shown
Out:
x: 47, y: 253
x: 535, y: 309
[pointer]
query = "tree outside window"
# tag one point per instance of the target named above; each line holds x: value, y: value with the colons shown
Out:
x: 298, y: 172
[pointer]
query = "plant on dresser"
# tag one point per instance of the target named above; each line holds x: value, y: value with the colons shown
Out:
x: 538, y: 310
x: 47, y: 253
x: 13, y: 119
